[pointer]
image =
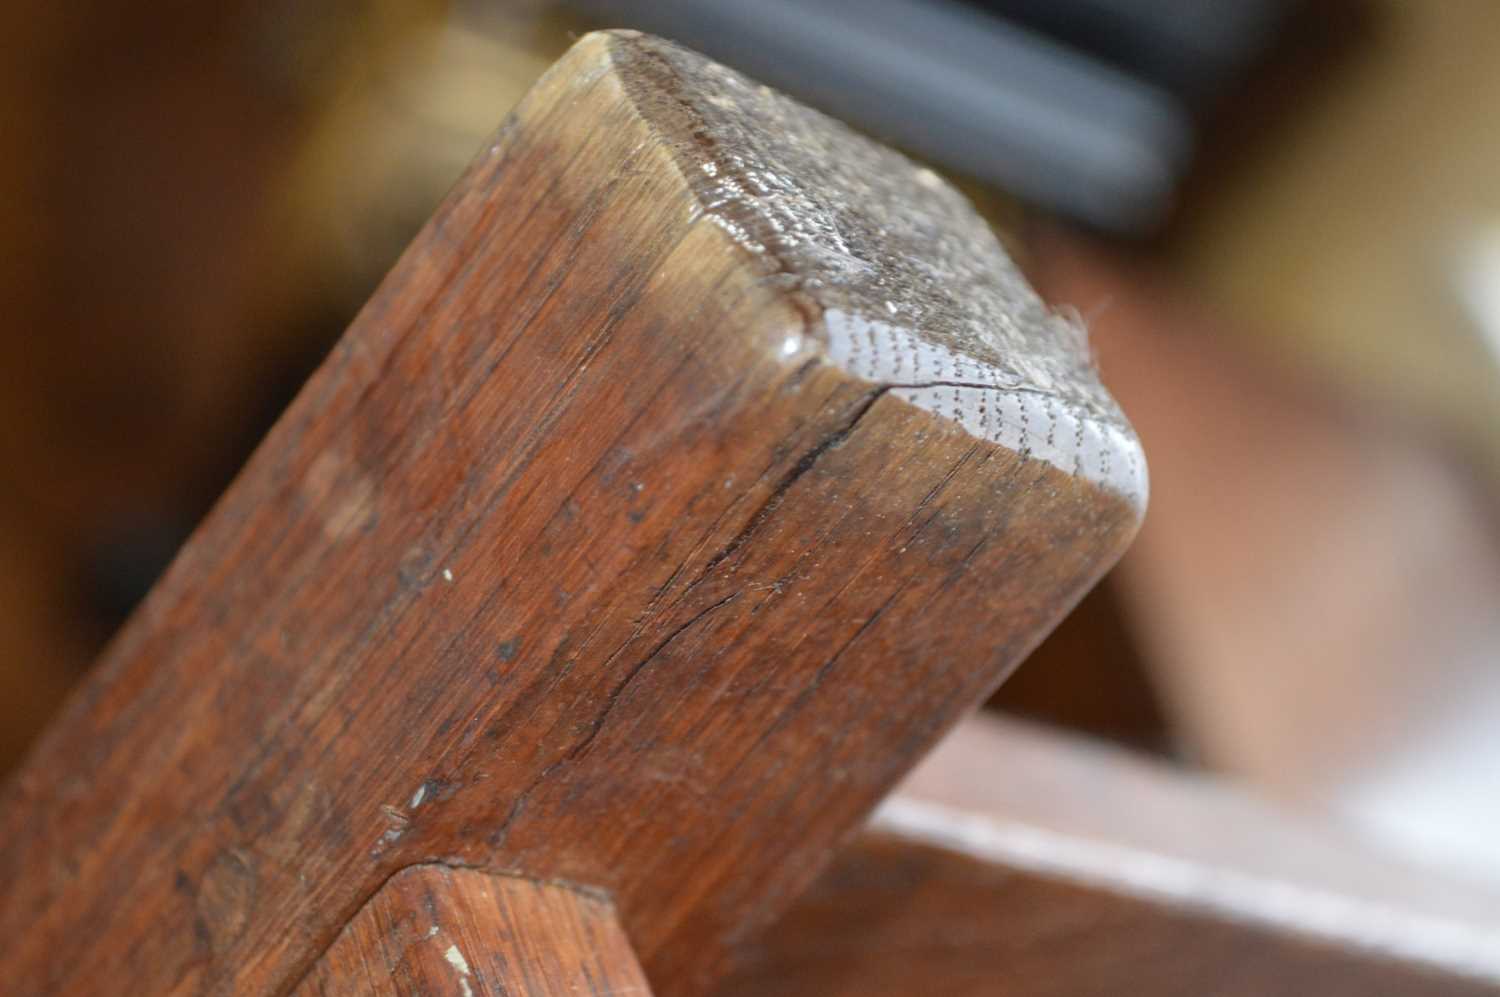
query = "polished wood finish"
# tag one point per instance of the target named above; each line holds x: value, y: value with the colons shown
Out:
x: 1024, y: 862
x: 897, y: 917
x: 699, y: 464
x: 435, y: 930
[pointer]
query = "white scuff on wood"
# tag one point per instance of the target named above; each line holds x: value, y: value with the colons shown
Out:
x: 458, y: 962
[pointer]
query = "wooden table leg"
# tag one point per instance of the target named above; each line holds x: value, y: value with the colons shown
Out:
x: 698, y: 466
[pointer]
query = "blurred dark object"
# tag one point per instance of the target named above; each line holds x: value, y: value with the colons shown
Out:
x: 1194, y: 51
x: 1087, y: 108
x: 1089, y: 676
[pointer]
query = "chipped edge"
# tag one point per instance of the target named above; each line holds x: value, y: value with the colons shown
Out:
x: 1033, y: 422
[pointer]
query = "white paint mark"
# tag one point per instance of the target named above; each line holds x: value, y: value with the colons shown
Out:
x: 432, y: 931
x: 447, y: 576
x: 418, y: 797
x: 791, y: 345
x: 457, y: 961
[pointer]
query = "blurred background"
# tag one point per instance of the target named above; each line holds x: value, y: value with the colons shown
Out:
x: 1279, y: 218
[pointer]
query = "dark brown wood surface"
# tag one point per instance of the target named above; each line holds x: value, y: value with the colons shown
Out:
x: 434, y: 930
x: 698, y: 465
x: 1025, y: 862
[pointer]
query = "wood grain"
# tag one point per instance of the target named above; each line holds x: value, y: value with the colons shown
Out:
x: 1025, y: 862
x: 697, y: 466
x: 436, y: 930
